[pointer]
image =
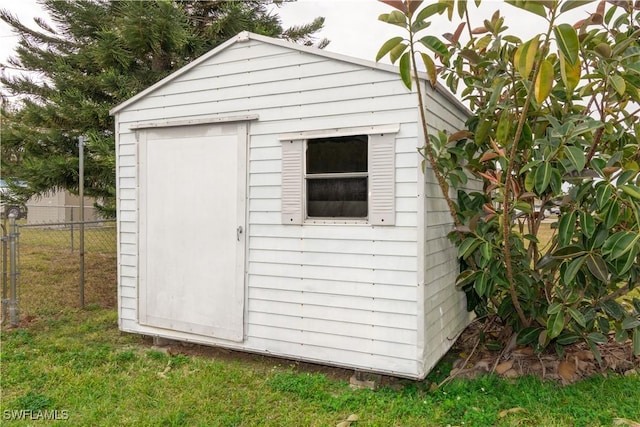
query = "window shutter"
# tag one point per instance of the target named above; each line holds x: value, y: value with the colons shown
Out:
x: 382, y: 207
x: 292, y: 177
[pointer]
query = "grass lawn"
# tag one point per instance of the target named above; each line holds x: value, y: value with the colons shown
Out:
x: 77, y: 363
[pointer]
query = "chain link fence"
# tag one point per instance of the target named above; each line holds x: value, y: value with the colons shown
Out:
x: 55, y: 268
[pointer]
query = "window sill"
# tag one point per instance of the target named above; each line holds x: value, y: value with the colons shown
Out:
x: 336, y: 221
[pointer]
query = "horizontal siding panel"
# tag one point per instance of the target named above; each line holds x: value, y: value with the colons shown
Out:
x: 128, y: 248
x: 328, y: 259
x: 128, y: 318
x: 241, y: 90
x: 127, y: 193
x: 357, y: 330
x: 128, y: 292
x: 128, y: 271
x: 128, y: 303
x: 128, y: 204
x: 264, y: 179
x: 388, y: 277
x: 127, y: 182
x: 338, y: 314
x: 335, y: 356
x: 407, y: 204
x: 265, y: 192
x: 343, y: 232
x: 407, y: 249
x: 266, y: 166
x: 389, y: 292
x: 127, y: 171
x: 270, y: 110
x: 259, y: 154
x: 334, y: 341
x: 333, y: 300
x: 127, y: 226
x: 273, y: 84
x: 131, y: 260
x: 264, y: 205
x: 128, y: 216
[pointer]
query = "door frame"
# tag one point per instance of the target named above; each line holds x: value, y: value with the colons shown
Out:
x: 242, y: 133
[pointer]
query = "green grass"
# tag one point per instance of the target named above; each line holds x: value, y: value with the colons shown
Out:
x: 78, y: 363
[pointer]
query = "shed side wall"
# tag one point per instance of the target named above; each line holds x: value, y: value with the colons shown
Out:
x: 444, y: 307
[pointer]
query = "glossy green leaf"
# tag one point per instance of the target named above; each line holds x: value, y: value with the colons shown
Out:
x: 530, y: 6
x: 594, y: 350
x: 636, y: 341
x: 630, y: 322
x: 524, y: 57
x: 568, y: 252
x: 466, y: 277
x: 572, y: 4
x: 598, y: 267
x: 565, y: 228
x: 504, y: 127
x: 434, y: 44
x: 618, y: 84
x: 543, y: 177
x: 567, y: 338
x: 620, y: 243
x: 567, y: 41
x: 528, y: 335
x: 530, y: 181
x: 576, y: 156
x: 481, y: 284
x: 555, y: 325
x: 577, y: 316
x: 625, y: 262
x: 467, y: 246
x: 572, y: 270
x: 397, y: 51
x: 430, y: 10
x: 631, y: 190
x: 570, y: 73
x: 554, y: 308
x: 603, y: 194
x: 587, y: 224
x: 597, y: 337
x: 432, y: 73
x: 482, y: 131
x: 405, y: 69
x: 613, y: 309
x: 544, y: 81
x: 388, y: 46
x: 395, y: 18
x: 613, y: 214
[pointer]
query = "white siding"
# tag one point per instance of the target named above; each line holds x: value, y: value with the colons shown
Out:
x: 341, y: 294
x: 445, y: 314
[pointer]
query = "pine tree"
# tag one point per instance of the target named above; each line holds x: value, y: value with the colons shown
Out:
x: 97, y: 54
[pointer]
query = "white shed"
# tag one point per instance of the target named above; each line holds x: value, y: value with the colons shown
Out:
x: 271, y: 200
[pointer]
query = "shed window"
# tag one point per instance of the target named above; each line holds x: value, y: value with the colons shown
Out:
x: 336, y: 177
x: 345, y: 176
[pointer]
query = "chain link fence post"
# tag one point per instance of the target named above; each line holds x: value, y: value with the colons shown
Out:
x: 5, y: 265
x: 13, y: 262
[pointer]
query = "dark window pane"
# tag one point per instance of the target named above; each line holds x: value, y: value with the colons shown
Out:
x: 337, y: 155
x: 344, y: 197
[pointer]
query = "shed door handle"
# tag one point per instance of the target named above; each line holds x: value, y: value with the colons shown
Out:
x: 238, y: 232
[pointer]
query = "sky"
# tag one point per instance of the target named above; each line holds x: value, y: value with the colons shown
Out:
x: 351, y: 25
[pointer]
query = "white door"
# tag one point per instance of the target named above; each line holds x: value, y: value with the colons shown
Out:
x: 192, y: 220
